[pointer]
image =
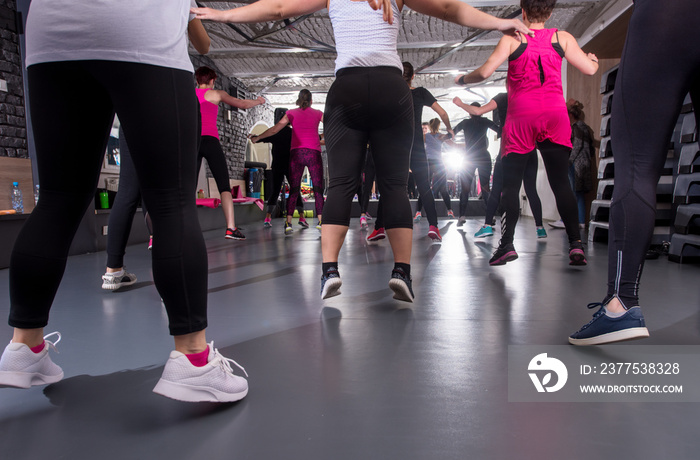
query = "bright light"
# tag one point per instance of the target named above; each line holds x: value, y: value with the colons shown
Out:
x: 294, y: 75
x: 454, y: 160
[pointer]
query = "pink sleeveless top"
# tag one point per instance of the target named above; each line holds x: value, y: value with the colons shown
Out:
x: 536, y: 105
x: 305, y: 128
x: 209, y: 112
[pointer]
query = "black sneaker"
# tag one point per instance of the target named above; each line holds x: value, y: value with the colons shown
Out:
x: 576, y: 255
x: 505, y: 253
x: 288, y: 228
x: 234, y: 234
x: 330, y: 283
x: 401, y: 284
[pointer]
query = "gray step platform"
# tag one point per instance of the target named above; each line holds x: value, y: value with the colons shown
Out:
x: 598, y: 231
x: 605, y: 189
x: 600, y: 210
x: 605, y: 125
x: 606, y: 103
x: 661, y: 234
x: 687, y: 218
x: 685, y: 130
x: 687, y: 189
x: 687, y: 104
x: 606, y: 168
x: 689, y: 158
x: 605, y: 147
x: 665, y: 186
x: 684, y: 248
x: 607, y: 80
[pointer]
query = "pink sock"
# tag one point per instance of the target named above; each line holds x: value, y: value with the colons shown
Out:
x: 199, y: 359
x: 38, y: 348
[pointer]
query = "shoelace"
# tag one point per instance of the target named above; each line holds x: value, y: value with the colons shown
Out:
x: 596, y: 315
x: 53, y: 344
x: 224, y: 363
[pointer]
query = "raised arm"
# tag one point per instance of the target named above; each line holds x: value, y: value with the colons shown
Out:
x: 198, y: 36
x: 586, y: 63
x: 465, y: 15
x: 498, y: 57
x: 284, y: 121
x: 239, y: 103
x: 443, y: 116
x: 472, y: 110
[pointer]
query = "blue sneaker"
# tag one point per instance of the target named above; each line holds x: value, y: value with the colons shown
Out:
x: 330, y: 283
x: 401, y: 284
x: 484, y: 231
x: 605, y: 329
x: 541, y: 232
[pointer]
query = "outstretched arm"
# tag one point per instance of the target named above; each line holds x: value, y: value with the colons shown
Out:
x: 275, y: 10
x: 198, y: 36
x: 240, y: 103
x: 586, y: 63
x: 472, y: 110
x: 498, y: 57
x: 465, y: 15
x: 284, y: 121
x: 443, y: 116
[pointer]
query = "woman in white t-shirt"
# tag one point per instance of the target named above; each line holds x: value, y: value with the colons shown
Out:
x: 87, y: 61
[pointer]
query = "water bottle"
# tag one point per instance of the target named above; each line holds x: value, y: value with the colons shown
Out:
x: 36, y: 195
x: 17, y: 198
x: 251, y: 180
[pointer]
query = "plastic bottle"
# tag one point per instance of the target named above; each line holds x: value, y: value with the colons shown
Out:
x: 36, y: 195
x: 251, y: 180
x: 17, y: 204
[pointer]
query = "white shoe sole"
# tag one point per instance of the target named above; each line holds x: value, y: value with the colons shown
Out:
x: 26, y: 379
x: 114, y: 287
x: 400, y: 289
x: 331, y: 288
x: 617, y: 336
x: 189, y: 393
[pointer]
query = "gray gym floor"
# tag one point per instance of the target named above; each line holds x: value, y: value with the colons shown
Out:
x: 359, y: 376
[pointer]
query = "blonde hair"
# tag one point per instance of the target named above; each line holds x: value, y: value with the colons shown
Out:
x: 434, y: 125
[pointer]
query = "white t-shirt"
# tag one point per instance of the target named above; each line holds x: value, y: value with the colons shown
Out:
x: 143, y: 31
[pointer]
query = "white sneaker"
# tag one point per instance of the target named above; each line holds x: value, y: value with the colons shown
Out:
x: 114, y: 281
x: 213, y: 382
x: 557, y: 224
x: 20, y: 367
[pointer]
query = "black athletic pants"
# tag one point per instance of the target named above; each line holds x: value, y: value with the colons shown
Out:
x: 367, y: 181
x: 657, y: 70
x: 529, y: 182
x: 437, y: 180
x: 482, y: 162
x: 278, y: 175
x: 157, y: 108
x: 369, y: 104
x: 556, y: 162
x: 210, y: 149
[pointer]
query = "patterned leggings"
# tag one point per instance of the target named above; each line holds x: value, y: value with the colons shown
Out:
x: 311, y: 159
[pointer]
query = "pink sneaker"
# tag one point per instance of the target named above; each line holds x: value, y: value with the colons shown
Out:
x: 434, y: 233
x: 376, y: 235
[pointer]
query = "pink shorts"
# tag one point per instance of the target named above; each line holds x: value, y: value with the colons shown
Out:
x: 523, y: 131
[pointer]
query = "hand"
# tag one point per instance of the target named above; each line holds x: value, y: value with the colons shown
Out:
x: 384, y: 5
x: 209, y: 13
x: 592, y: 57
x: 458, y: 102
x: 511, y: 26
x: 458, y: 81
x: 261, y: 100
x: 451, y: 133
x: 253, y: 138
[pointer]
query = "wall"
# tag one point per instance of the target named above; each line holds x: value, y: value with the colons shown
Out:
x: 13, y: 132
x: 234, y: 132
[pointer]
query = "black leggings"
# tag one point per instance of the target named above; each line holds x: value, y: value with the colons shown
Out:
x: 121, y: 216
x: 369, y: 104
x: 482, y: 162
x: 157, y: 108
x: 669, y: 60
x: 437, y: 175
x: 556, y: 162
x: 367, y: 180
x: 278, y: 175
x: 529, y: 182
x: 210, y: 149
x: 421, y: 174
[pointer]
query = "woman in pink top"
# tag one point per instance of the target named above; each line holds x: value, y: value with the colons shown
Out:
x: 537, y: 118
x: 210, y: 147
x: 306, y: 152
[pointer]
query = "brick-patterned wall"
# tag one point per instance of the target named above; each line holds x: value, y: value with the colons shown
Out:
x: 13, y: 125
x: 233, y: 133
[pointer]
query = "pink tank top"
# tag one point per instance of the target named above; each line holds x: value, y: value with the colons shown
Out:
x: 209, y: 112
x: 534, y: 77
x: 305, y: 128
